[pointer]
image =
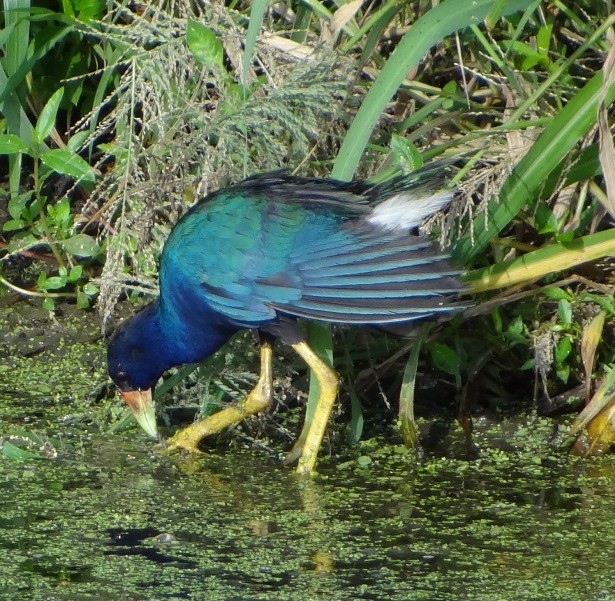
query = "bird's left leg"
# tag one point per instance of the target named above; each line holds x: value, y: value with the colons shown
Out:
x: 308, y: 444
x: 258, y: 400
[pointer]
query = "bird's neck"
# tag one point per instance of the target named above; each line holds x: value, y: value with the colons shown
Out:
x: 188, y: 340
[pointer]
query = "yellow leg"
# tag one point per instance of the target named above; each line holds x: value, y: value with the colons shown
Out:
x: 308, y: 444
x: 259, y: 399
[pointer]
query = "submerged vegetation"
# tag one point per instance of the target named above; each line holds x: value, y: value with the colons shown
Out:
x: 155, y: 104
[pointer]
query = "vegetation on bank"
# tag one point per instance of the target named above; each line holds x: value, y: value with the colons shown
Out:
x: 116, y: 117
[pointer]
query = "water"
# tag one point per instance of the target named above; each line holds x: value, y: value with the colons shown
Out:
x: 113, y: 520
x: 105, y: 515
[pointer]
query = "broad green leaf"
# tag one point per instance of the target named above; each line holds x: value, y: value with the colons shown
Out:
x: 12, y: 144
x: 67, y: 162
x: 204, y: 44
x: 77, y: 140
x: 81, y: 245
x: 563, y: 372
x: 47, y: 119
x: 49, y: 304
x: 557, y: 293
x: 93, y: 9
x: 83, y: 302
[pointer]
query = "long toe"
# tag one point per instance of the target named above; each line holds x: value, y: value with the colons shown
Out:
x: 294, y: 454
x: 180, y: 442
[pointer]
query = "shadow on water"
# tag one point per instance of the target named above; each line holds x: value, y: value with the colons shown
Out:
x: 111, y: 518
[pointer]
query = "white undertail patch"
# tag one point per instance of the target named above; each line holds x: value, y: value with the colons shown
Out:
x: 406, y: 210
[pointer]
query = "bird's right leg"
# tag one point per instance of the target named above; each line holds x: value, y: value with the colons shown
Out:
x: 258, y: 400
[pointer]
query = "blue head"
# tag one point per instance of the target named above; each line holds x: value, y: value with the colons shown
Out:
x: 135, y: 355
x: 148, y: 344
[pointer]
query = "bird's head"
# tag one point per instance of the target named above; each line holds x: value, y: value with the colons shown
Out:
x: 135, y: 362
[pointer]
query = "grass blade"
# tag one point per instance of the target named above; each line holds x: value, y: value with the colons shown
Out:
x: 407, y: 425
x: 549, y: 259
x: 444, y: 19
x: 521, y: 187
x: 257, y: 13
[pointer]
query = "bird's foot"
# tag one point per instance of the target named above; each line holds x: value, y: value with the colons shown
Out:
x: 302, y: 456
x: 182, y: 441
x: 295, y: 453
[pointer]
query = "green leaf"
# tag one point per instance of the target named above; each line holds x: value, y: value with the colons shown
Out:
x: 90, y: 289
x: 444, y: 358
x: 563, y: 372
x: 364, y: 460
x: 406, y: 153
x: 47, y: 119
x: 545, y: 260
x: 81, y: 245
x: 529, y: 364
x: 77, y: 140
x: 67, y: 162
x: 13, y: 224
x: 55, y: 282
x: 515, y: 331
x: 204, y: 44
x: 12, y: 144
x: 18, y: 203
x: 257, y: 12
x: 83, y: 302
x: 49, y: 304
x: 495, y: 12
x: 562, y: 350
x: 557, y: 293
x: 12, y: 451
x: 564, y: 311
x: 407, y: 425
x: 93, y: 9
x: 235, y: 97
x: 60, y: 212
x: 75, y: 273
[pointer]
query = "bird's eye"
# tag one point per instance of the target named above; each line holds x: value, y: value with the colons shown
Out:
x: 121, y: 379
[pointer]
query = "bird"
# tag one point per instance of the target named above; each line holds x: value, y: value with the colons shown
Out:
x: 270, y: 250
